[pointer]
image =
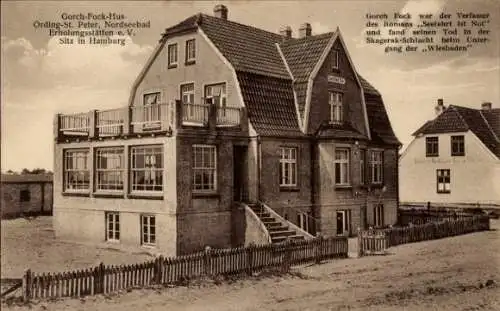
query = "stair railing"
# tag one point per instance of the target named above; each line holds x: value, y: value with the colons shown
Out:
x: 264, y: 208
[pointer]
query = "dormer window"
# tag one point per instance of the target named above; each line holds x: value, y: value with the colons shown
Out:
x: 336, y: 111
x: 335, y: 60
x: 190, y: 52
x: 172, y: 55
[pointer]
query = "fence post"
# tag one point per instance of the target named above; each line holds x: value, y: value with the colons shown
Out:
x: 318, y: 243
x: 27, y: 285
x: 158, y: 270
x: 207, y: 261
x: 99, y: 279
x: 360, y: 243
x: 288, y: 254
x: 250, y: 251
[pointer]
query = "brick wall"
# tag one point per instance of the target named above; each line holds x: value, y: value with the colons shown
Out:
x: 286, y: 202
x: 204, y: 219
x: 352, y: 104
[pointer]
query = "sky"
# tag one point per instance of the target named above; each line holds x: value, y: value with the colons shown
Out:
x: 40, y: 77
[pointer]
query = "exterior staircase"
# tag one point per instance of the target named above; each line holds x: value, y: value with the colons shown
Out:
x: 277, y: 230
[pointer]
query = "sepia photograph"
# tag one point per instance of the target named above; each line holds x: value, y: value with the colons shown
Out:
x: 250, y: 155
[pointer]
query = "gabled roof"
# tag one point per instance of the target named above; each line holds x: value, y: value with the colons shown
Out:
x: 462, y: 119
x: 268, y: 80
x: 270, y: 104
x: 302, y: 55
x: 380, y: 126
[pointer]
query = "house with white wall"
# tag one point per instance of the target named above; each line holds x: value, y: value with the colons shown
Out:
x: 454, y: 159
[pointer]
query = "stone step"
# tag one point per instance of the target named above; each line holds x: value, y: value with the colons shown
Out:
x: 267, y: 219
x: 272, y: 224
x: 277, y: 228
x: 284, y: 233
x: 264, y: 214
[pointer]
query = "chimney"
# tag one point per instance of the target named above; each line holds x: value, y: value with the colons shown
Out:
x: 439, y: 107
x: 286, y: 32
x: 305, y: 30
x: 486, y: 106
x: 220, y: 11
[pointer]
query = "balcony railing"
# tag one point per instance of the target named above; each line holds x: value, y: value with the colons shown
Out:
x: 228, y: 116
x: 195, y: 113
x: 147, y: 119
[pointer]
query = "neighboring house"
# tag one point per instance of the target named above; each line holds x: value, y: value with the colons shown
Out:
x: 454, y: 159
x: 224, y: 114
x: 26, y: 194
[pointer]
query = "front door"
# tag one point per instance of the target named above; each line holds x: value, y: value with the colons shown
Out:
x: 239, y: 174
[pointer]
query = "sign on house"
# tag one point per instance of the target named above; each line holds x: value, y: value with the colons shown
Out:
x: 336, y: 79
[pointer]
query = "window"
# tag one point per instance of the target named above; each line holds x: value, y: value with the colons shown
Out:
x: 147, y: 168
x: 109, y: 169
x: 288, y: 167
x: 24, y: 195
x: 190, y: 51
x: 342, y: 166
x: 204, y: 167
x: 376, y: 166
x: 362, y: 166
x: 378, y: 215
x: 151, y: 98
x: 343, y: 222
x: 112, y: 227
x: 336, y: 107
x: 457, y: 145
x: 148, y: 229
x: 172, y: 55
x: 335, y: 60
x: 76, y: 170
x: 443, y: 181
x: 216, y: 95
x: 303, y: 221
x: 432, y: 146
x: 187, y: 97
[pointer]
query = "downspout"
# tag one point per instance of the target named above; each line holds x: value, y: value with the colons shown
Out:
x: 313, y: 183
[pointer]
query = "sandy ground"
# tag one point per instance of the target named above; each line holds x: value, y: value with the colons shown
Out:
x: 32, y: 244
x: 459, y: 273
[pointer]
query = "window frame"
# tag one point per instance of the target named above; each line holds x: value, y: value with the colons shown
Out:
x: 362, y: 166
x: 222, y: 98
x: 343, y: 164
x: 378, y: 215
x: 148, y: 242
x: 188, y: 59
x: 336, y: 59
x: 87, y: 169
x: 460, y: 144
x: 213, y: 187
x: 173, y: 47
x: 376, y: 163
x: 157, y: 170
x: 114, y: 218
x: 444, y: 179
x: 336, y: 102
x: 288, y: 164
x: 303, y: 220
x: 432, y: 146
x: 122, y: 170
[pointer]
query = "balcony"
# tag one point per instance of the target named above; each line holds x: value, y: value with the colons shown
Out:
x: 141, y: 120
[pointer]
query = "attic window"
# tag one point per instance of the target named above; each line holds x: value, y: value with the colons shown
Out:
x: 335, y: 60
x: 336, y: 107
x: 172, y: 55
x: 190, y: 52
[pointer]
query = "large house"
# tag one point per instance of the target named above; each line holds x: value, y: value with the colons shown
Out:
x: 454, y: 159
x: 233, y: 134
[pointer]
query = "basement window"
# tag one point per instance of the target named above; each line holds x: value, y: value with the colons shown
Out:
x: 25, y: 195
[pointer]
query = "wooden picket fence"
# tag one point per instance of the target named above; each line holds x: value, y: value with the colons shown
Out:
x: 376, y: 241
x: 161, y: 271
x: 419, y: 217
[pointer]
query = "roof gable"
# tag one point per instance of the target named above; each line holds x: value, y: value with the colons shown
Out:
x: 461, y: 119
